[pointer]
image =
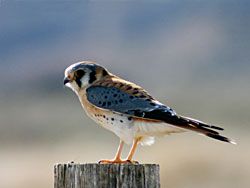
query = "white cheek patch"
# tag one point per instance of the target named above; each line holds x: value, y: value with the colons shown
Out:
x: 68, y: 85
x: 72, y: 85
x: 85, y: 80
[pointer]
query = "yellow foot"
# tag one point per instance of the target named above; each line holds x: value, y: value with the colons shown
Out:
x: 117, y: 161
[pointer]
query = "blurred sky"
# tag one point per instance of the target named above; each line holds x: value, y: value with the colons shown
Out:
x: 193, y: 55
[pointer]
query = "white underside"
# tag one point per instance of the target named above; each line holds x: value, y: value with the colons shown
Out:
x: 128, y: 130
x: 149, y: 131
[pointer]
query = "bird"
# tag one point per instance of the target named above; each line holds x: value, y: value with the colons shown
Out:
x: 128, y: 110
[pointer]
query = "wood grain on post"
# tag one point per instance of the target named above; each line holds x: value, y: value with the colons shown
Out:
x: 106, y: 175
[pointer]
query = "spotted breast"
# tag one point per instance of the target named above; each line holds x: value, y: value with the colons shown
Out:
x: 121, y: 124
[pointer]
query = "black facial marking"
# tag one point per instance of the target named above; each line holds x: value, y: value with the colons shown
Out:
x: 112, y: 119
x: 78, y: 82
x: 104, y: 72
x: 79, y: 73
x: 129, y: 118
x: 92, y: 77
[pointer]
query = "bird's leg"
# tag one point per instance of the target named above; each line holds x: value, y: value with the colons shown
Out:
x: 117, y: 158
x: 132, y: 151
x: 119, y: 151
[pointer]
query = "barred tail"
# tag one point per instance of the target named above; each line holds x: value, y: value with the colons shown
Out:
x: 206, y: 129
x: 187, y: 123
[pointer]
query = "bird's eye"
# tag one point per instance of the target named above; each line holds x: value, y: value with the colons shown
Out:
x: 80, y: 73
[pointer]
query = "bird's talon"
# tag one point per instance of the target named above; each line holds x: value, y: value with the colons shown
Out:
x: 110, y: 161
x: 132, y: 162
x: 117, y: 162
x: 104, y: 162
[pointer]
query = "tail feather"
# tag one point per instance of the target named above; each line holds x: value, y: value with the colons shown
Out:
x: 200, y: 123
x: 206, y: 129
x: 187, y: 123
x: 221, y: 138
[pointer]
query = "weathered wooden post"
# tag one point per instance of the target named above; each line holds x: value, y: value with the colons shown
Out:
x: 106, y: 175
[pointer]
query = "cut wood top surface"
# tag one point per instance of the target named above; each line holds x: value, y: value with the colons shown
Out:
x: 73, y: 175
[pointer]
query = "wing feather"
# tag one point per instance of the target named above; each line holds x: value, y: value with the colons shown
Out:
x: 115, y: 99
x: 110, y: 97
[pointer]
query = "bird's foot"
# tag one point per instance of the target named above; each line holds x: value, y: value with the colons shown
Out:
x: 117, y: 161
x: 132, y: 162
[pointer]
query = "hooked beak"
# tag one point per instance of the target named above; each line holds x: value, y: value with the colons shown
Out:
x: 65, y: 81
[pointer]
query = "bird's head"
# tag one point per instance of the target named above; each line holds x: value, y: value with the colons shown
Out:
x: 81, y: 75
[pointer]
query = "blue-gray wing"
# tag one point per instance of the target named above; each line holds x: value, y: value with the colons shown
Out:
x: 117, y: 100
x: 114, y: 99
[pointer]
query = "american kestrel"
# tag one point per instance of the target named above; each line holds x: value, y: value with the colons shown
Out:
x: 127, y: 109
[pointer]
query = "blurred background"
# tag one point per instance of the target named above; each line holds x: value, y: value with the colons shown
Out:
x: 192, y: 55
